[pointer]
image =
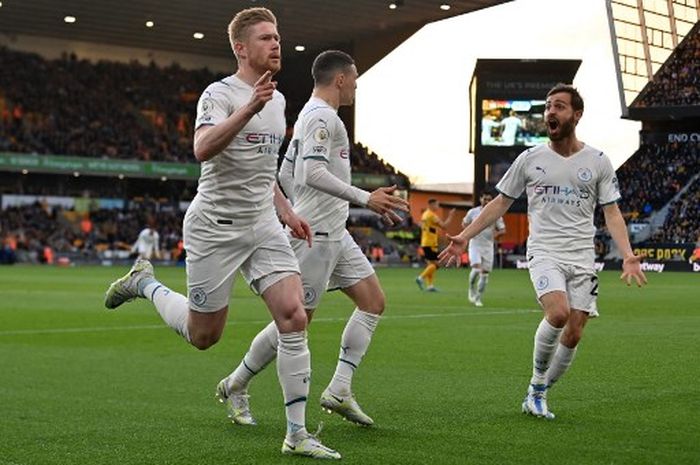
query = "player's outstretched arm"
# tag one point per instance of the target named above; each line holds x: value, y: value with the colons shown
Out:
x: 490, y: 213
x: 210, y: 141
x: 384, y: 202
x: 631, y: 263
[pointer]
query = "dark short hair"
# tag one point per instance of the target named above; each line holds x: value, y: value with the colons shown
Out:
x: 576, y: 99
x: 327, y: 64
x: 432, y: 200
x: 489, y: 193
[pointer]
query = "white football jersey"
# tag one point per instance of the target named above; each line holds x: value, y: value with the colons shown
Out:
x: 321, y: 135
x: 485, y: 237
x: 562, y: 194
x: 238, y: 182
x: 147, y: 242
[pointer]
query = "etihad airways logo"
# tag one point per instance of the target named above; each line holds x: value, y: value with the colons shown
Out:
x: 267, y: 143
x: 566, y: 191
x: 561, y: 195
x: 263, y: 138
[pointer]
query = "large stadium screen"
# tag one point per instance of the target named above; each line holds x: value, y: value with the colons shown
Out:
x: 512, y: 122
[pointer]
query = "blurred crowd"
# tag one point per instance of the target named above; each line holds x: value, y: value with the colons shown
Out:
x: 106, y: 109
x: 70, y: 106
x: 653, y: 175
x: 682, y: 223
x: 36, y: 233
x: 677, y: 83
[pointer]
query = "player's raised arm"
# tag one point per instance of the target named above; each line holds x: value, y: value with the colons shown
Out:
x: 491, y: 212
x: 211, y: 139
x: 631, y: 263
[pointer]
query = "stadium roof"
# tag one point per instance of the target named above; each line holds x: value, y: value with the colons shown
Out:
x: 315, y: 24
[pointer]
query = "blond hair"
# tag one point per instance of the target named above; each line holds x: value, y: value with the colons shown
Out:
x: 244, y: 19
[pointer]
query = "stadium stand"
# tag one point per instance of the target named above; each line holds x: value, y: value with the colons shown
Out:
x: 29, y: 230
x: 677, y: 83
x: 654, y: 175
x: 682, y: 222
x: 106, y: 110
x: 112, y: 110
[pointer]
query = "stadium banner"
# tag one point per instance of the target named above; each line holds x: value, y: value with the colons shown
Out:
x: 679, y: 137
x: 58, y: 164
x: 647, y: 266
x: 371, y: 181
x: 664, y: 252
x: 82, y: 204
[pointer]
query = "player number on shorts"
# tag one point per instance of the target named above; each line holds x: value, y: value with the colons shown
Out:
x: 594, y: 280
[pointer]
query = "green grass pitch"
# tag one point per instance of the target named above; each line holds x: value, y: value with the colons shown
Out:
x: 442, y: 379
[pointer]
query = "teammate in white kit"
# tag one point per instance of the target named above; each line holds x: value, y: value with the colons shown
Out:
x: 315, y: 174
x: 147, y: 245
x: 231, y: 224
x: 564, y: 180
x: 481, y: 251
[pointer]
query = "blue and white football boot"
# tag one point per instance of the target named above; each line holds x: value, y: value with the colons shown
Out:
x: 535, y: 402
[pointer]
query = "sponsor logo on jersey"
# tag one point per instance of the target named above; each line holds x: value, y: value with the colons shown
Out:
x: 268, y: 143
x: 263, y: 138
x: 319, y: 149
x: 563, y: 195
x: 562, y: 190
x: 344, y: 154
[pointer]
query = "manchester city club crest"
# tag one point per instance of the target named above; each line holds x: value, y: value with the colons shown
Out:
x: 542, y: 282
x: 584, y: 174
x: 198, y: 296
x: 309, y: 295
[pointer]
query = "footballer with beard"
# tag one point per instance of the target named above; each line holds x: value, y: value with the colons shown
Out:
x: 233, y: 223
x: 564, y: 179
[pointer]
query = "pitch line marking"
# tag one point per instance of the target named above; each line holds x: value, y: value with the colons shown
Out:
x: 97, y: 329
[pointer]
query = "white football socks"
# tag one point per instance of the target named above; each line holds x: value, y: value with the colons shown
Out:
x: 263, y: 350
x: 546, y: 338
x: 172, y: 306
x: 561, y: 361
x: 473, y: 275
x: 353, y: 345
x: 294, y: 372
x: 483, y: 281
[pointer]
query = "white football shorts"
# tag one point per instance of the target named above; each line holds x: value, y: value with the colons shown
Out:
x: 580, y: 283
x: 329, y: 265
x: 217, y: 248
x: 482, y: 255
